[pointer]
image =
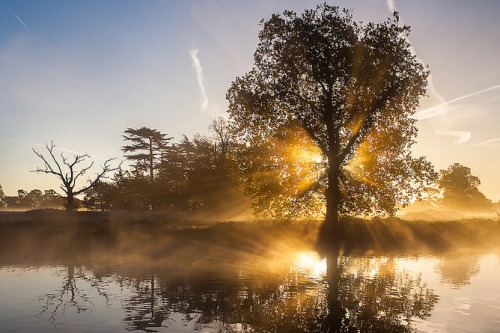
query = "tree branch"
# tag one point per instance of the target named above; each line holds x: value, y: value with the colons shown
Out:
x: 366, y: 122
x: 105, y: 169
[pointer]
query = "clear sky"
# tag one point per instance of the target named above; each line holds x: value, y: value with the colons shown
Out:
x: 81, y: 72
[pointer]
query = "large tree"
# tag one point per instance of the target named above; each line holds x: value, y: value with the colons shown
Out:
x: 353, y: 88
x: 146, y: 148
x: 69, y: 170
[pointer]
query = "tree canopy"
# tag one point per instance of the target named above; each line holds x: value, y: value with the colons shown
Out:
x: 353, y: 89
x: 460, y: 189
x: 2, y: 197
x: 146, y: 149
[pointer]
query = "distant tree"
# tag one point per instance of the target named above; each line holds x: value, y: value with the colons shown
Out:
x: 2, y: 198
x: 188, y: 171
x: 223, y: 142
x: 146, y: 148
x: 51, y: 199
x: 353, y: 88
x: 34, y: 199
x: 194, y: 174
x: 131, y: 191
x: 67, y: 172
x: 12, y: 201
x: 99, y: 196
x: 460, y: 189
x: 22, y: 194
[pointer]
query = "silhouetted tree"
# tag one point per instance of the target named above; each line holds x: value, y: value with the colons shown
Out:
x: 460, y: 190
x: 2, y: 198
x: 99, y: 196
x: 67, y: 173
x: 51, y: 199
x: 146, y: 149
x: 194, y: 174
x: 353, y: 88
x: 188, y: 172
x: 224, y: 140
x: 34, y: 198
x: 131, y: 191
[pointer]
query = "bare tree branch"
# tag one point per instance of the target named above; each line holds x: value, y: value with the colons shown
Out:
x: 71, y: 174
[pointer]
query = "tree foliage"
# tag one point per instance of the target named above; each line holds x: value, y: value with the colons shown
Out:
x: 33, y: 199
x: 99, y: 196
x: 460, y: 189
x: 189, y: 175
x: 146, y: 148
x: 2, y: 198
x: 283, y: 175
x: 353, y: 89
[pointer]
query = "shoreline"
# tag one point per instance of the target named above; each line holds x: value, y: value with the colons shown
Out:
x: 61, y: 236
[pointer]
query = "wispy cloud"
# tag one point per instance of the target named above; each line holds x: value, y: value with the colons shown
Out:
x: 492, y: 143
x: 461, y: 136
x: 199, y: 77
x: 391, y: 5
x: 441, y: 107
x: 443, y: 126
x: 21, y: 21
x: 55, y: 147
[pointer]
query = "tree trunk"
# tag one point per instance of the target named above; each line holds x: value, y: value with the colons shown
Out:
x: 330, y: 233
x: 71, y: 201
x: 151, y: 167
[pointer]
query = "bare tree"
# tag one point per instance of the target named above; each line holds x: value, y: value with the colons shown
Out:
x: 223, y: 139
x: 66, y: 170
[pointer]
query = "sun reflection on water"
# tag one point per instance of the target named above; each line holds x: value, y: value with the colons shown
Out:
x: 311, y: 264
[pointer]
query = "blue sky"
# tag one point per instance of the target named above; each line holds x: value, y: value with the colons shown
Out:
x: 81, y: 72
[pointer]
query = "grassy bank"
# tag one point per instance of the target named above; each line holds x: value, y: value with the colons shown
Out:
x: 50, y: 236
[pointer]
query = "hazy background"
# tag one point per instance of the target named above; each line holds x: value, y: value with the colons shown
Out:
x: 80, y: 73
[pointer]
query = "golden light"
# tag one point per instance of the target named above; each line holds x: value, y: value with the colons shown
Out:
x: 356, y: 166
x: 311, y: 264
x: 303, y: 156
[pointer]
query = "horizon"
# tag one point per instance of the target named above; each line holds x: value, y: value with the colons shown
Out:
x: 80, y: 74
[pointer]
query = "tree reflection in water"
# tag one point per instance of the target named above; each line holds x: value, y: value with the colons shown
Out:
x: 346, y: 294
x: 357, y: 294
x: 71, y: 296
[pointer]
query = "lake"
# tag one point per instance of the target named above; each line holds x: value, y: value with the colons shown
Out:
x: 277, y: 291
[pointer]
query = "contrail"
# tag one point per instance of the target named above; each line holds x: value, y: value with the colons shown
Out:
x: 199, y: 76
x: 21, y: 21
x: 391, y: 5
x: 445, y: 125
x: 462, y: 136
x: 491, y: 142
x: 55, y: 147
x: 437, y: 110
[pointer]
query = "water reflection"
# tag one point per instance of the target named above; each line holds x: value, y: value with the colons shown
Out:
x: 71, y: 296
x: 458, y: 270
x: 299, y: 293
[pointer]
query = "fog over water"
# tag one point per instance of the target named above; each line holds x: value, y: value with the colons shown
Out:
x: 117, y: 274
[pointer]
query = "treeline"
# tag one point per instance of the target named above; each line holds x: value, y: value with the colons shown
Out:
x: 192, y: 175
x: 217, y: 174
x: 456, y: 189
x: 31, y: 200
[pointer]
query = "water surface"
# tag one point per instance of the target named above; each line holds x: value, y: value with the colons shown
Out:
x: 285, y: 292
